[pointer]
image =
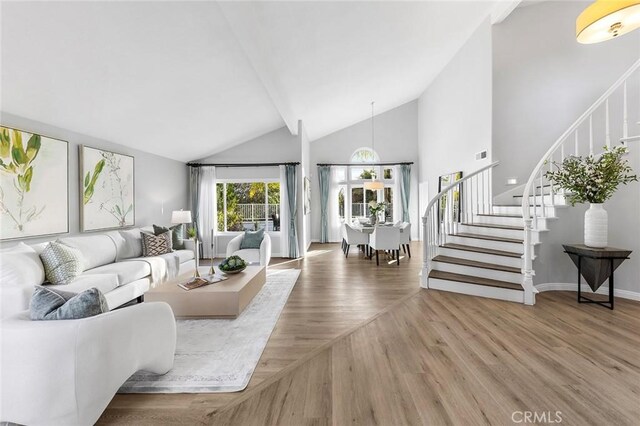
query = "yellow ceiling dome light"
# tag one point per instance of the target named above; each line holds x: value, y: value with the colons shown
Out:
x: 607, y: 19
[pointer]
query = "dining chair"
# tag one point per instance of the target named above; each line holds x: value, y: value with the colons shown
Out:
x: 386, y: 238
x: 405, y: 237
x: 353, y: 236
x: 343, y: 234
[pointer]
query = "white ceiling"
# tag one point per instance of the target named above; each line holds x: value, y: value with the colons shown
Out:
x: 188, y: 79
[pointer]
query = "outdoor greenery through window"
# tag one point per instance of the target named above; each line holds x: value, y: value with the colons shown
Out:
x: 248, y: 206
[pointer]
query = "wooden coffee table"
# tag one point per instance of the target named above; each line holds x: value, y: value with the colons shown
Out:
x: 224, y: 299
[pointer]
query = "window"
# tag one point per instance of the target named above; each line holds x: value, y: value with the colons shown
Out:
x: 359, y: 200
x: 341, y: 211
x: 364, y: 155
x: 388, y: 198
x: 352, y: 198
x: 248, y: 206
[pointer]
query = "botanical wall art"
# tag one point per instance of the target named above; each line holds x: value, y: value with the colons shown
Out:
x: 107, y: 189
x: 307, y: 195
x: 34, y: 189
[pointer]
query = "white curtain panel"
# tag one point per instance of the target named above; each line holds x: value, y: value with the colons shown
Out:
x: 333, y: 218
x: 207, y: 210
x: 284, y: 214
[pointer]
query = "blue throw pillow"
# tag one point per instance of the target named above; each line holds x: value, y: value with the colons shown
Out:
x: 49, y: 304
x: 252, y: 239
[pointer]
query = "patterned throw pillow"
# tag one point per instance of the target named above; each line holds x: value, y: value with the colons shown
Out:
x: 176, y: 235
x: 155, y: 245
x: 61, y: 263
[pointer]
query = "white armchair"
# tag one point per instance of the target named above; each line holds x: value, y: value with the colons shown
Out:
x: 261, y: 256
x: 66, y: 372
x: 386, y: 238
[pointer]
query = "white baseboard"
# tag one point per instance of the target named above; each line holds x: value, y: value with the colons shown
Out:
x: 624, y: 294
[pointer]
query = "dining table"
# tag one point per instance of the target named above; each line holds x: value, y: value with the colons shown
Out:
x: 368, y: 229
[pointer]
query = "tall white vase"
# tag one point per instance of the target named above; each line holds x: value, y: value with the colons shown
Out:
x: 596, y: 223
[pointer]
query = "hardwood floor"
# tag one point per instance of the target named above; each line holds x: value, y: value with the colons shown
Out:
x: 362, y: 345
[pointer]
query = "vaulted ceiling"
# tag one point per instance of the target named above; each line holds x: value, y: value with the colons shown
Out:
x: 188, y: 79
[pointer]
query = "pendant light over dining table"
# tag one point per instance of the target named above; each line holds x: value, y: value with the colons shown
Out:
x: 607, y: 19
x: 373, y: 184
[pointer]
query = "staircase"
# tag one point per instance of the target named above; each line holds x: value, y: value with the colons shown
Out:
x: 477, y: 246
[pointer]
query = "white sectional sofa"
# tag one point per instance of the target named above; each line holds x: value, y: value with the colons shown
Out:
x: 111, y: 264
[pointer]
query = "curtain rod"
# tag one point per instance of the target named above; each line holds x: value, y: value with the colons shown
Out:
x: 365, y: 164
x: 242, y: 164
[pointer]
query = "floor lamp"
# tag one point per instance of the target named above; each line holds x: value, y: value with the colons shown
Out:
x: 181, y: 217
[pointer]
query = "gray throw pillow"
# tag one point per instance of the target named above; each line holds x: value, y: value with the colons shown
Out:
x: 132, y: 244
x: 61, y: 263
x: 155, y: 245
x: 177, y: 235
x: 49, y: 304
x: 252, y: 239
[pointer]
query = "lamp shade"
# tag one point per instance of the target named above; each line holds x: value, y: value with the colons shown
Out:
x: 373, y: 185
x: 181, y: 216
x: 607, y: 19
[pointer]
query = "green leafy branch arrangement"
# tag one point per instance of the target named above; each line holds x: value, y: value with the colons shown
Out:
x: 17, y: 160
x: 90, y: 181
x: 592, y: 179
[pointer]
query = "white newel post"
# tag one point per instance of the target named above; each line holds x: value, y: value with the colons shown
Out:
x: 596, y: 223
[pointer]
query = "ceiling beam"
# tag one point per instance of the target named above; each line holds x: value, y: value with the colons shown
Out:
x: 502, y: 9
x: 246, y: 35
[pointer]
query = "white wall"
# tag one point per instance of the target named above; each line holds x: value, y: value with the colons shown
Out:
x: 306, y: 171
x: 160, y: 183
x: 552, y: 265
x: 278, y: 146
x: 454, y: 113
x: 543, y: 80
x: 396, y: 140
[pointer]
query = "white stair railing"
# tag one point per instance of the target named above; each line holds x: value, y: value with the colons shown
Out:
x: 578, y: 139
x: 471, y: 195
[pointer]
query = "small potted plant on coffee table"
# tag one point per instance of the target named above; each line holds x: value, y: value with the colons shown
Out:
x: 233, y: 265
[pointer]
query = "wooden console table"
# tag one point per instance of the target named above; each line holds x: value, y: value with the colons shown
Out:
x: 596, y: 265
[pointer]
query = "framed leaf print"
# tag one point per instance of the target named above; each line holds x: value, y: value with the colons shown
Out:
x: 34, y: 185
x: 107, y: 191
